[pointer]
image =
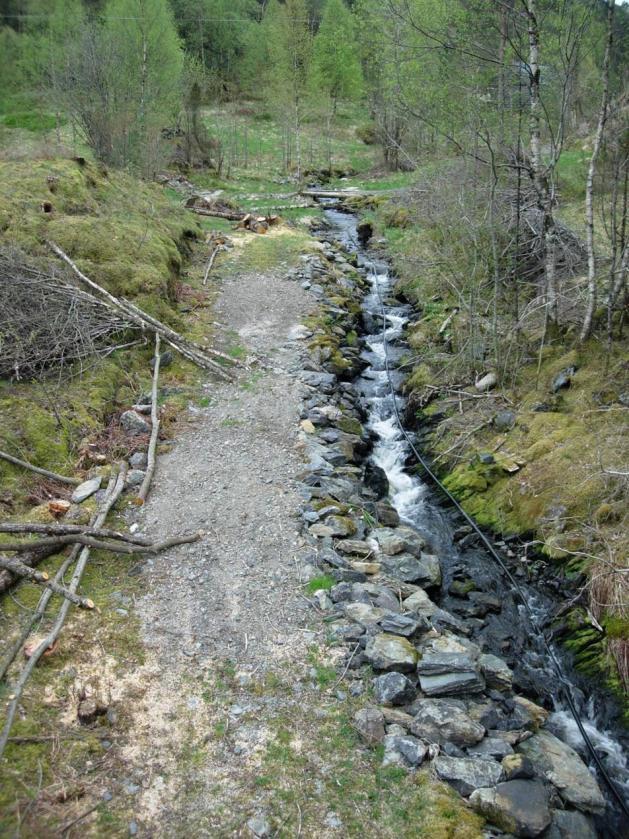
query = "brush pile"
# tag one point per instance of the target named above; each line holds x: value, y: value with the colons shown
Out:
x: 47, y: 323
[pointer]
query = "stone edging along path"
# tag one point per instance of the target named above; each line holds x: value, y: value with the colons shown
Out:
x: 437, y: 695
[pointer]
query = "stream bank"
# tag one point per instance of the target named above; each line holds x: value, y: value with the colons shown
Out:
x: 462, y: 679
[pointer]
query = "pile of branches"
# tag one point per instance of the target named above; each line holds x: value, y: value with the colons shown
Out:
x: 571, y: 254
x: 47, y: 323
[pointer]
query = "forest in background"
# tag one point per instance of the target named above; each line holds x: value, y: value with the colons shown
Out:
x: 504, y: 123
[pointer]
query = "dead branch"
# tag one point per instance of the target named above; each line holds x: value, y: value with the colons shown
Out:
x: 14, y: 566
x: 461, y: 440
x: 99, y: 544
x: 193, y: 352
x: 25, y: 465
x: 150, y: 466
x: 29, y: 558
x: 70, y: 529
x: 210, y: 262
x: 115, y: 489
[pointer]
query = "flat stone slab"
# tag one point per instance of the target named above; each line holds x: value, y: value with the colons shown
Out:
x: 452, y: 684
x: 467, y: 774
x: 433, y: 663
x: 443, y: 721
x: 86, y: 489
x: 401, y: 625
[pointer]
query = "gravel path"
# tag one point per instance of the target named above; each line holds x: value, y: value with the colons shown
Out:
x: 222, y: 613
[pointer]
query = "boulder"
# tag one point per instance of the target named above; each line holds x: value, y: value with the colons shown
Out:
x: 389, y: 541
x: 402, y: 625
x: 420, y: 603
x: 376, y: 479
x: 390, y: 652
x: 517, y: 766
x: 504, y: 420
x: 467, y: 774
x: 134, y: 423
x: 395, y: 540
x: 340, y: 525
x: 407, y: 568
x: 135, y: 477
x: 563, y: 379
x: 138, y: 460
x: 86, y: 489
x: 386, y: 514
x: 517, y: 807
x: 404, y: 750
x: 562, y: 767
x: 323, y: 382
x: 494, y: 747
x: 364, y: 613
x: 393, y: 689
x: 486, y: 382
x: 570, y: 824
x: 369, y: 722
x: 444, y: 721
x: 497, y: 673
x: 354, y: 547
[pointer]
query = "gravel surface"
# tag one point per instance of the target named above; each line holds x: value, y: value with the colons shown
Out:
x: 234, y: 596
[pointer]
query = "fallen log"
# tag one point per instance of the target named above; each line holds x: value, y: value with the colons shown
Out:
x: 14, y: 566
x: 150, y: 465
x: 230, y: 215
x: 193, y: 352
x: 331, y: 193
x: 114, y: 490
x: 62, y: 479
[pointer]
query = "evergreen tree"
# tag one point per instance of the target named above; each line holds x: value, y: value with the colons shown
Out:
x: 337, y: 68
x: 216, y: 32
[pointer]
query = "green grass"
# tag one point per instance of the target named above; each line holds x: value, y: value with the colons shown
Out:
x: 30, y: 121
x: 322, y: 582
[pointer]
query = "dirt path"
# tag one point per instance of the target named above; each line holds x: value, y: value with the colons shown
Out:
x: 221, y: 615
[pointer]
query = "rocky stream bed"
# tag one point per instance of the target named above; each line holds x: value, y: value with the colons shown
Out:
x: 458, y: 676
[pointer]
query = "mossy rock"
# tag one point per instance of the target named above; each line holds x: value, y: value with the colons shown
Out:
x: 350, y: 425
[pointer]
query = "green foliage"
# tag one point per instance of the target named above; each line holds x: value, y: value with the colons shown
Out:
x: 145, y: 76
x: 337, y: 69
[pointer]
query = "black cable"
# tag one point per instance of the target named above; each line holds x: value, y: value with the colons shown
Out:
x: 564, y: 683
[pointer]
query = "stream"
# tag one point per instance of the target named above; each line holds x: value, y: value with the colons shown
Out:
x: 505, y: 631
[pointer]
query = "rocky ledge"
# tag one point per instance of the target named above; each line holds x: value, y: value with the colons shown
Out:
x: 435, y: 695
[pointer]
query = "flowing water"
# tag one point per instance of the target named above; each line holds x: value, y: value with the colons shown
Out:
x: 508, y: 634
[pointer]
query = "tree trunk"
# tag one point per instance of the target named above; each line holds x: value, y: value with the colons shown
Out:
x: 589, y: 188
x: 539, y: 174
